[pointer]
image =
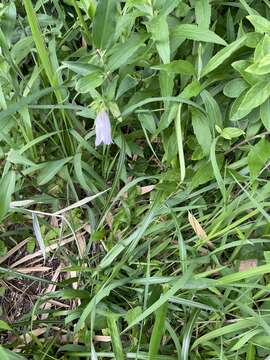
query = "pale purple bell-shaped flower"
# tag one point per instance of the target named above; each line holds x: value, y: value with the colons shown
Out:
x: 103, y: 129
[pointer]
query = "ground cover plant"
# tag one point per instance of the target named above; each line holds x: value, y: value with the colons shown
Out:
x: 134, y: 193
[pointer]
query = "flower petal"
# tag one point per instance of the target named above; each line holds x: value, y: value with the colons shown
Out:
x: 103, y: 129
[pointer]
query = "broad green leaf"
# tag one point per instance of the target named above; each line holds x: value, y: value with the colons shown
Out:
x: 265, y: 61
x: 212, y: 109
x: 257, y: 157
x: 167, y: 118
x: 223, y: 55
x: 262, y: 49
x: 166, y: 82
x: 125, y: 85
x: 241, y: 66
x: 191, y: 90
x: 88, y: 82
x: 168, y: 6
x: 256, y: 96
x: 104, y: 23
x: 8, y: 19
x: 4, y: 325
x: 7, y: 354
x: 50, y: 169
x: 124, y: 25
x: 132, y: 314
x: 177, y: 67
x: 142, y: 5
x: 203, y: 13
x: 201, y: 130
x: 197, y: 154
x: 7, y: 187
x: 234, y: 88
x: 183, y: 9
x: 148, y: 122
x: 261, y: 24
x: 196, y: 33
x: 81, y: 68
x: 160, y: 34
x: 21, y: 49
x: 260, y: 68
x: 231, y: 133
x: 123, y: 53
x: 265, y: 114
x: 253, y: 39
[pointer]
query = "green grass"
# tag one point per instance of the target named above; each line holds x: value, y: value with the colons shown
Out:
x: 156, y: 246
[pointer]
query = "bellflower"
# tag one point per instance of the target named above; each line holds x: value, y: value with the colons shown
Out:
x: 103, y: 129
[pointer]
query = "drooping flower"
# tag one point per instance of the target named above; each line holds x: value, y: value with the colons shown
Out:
x: 103, y: 129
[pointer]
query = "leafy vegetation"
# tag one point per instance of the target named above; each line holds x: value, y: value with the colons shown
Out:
x: 154, y: 246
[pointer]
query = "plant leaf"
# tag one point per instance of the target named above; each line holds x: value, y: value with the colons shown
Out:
x: 7, y: 187
x: 261, y: 24
x: 255, y: 96
x: 223, y: 55
x: 122, y: 53
x: 257, y: 157
x: 234, y: 88
x: 177, y: 67
x: 231, y: 133
x: 50, y: 169
x: 160, y: 34
x: 88, y: 82
x: 196, y: 226
x: 203, y: 13
x: 104, y: 23
x: 201, y: 130
x: 4, y: 325
x: 265, y: 114
x: 38, y: 235
x: 196, y: 33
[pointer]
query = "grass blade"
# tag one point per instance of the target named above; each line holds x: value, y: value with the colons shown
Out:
x: 178, y: 129
x: 115, y: 335
x: 158, y: 330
